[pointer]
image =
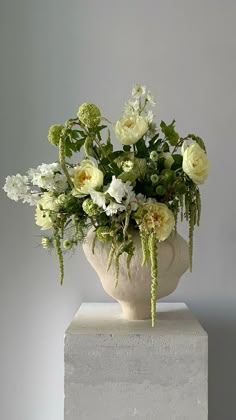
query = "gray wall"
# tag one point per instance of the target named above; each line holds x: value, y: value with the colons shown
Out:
x: 55, y: 55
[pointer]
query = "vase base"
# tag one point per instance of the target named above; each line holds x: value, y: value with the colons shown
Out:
x: 136, y: 311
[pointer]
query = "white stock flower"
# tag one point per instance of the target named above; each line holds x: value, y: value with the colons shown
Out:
x: 150, y: 116
x: 49, y: 177
x: 16, y: 186
x: 113, y: 208
x: 87, y: 177
x: 116, y: 189
x: 98, y: 198
x: 195, y: 163
x: 130, y: 128
x: 138, y: 90
x: 150, y: 98
x: 31, y: 198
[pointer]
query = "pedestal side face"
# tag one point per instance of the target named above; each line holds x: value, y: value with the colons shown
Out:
x: 136, y: 371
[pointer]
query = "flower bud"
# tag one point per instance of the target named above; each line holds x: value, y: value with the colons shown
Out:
x: 46, y: 242
x: 154, y: 178
x: 154, y: 156
x: 67, y: 244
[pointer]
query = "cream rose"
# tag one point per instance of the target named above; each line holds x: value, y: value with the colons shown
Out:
x: 130, y: 128
x: 195, y: 163
x: 86, y: 177
x: 45, y: 205
x: 160, y: 218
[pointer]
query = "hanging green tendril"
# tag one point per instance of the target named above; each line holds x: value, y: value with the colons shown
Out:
x: 191, y: 230
x: 57, y: 242
x: 110, y: 256
x: 153, y: 250
x: 62, y: 161
x: 144, y: 245
x: 198, y: 198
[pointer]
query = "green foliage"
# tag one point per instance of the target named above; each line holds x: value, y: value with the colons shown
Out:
x: 169, y: 131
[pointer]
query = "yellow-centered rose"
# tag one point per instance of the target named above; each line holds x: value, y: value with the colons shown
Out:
x: 86, y: 177
x: 159, y: 218
x: 130, y: 128
x: 195, y: 163
x: 45, y: 206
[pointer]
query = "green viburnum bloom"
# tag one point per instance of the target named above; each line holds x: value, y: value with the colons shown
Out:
x: 61, y: 200
x: 103, y: 234
x: 54, y: 133
x: 89, y: 207
x: 67, y: 244
x: 89, y: 115
x: 154, y: 156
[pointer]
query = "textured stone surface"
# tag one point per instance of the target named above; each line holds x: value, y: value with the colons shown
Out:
x: 119, y: 369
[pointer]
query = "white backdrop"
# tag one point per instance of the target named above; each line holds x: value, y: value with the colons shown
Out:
x: 54, y: 56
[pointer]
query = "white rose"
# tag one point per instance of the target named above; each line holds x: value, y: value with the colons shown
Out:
x: 195, y: 163
x: 130, y: 128
x: 46, y: 204
x: 86, y: 177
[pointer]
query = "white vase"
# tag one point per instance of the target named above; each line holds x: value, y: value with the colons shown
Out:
x: 134, y: 295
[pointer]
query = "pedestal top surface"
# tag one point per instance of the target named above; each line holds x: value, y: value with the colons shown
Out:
x: 106, y: 318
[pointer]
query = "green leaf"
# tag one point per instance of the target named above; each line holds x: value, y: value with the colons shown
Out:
x: 142, y: 150
x: 198, y: 140
x: 169, y: 131
x: 178, y: 159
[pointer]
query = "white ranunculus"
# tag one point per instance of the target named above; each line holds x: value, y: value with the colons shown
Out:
x: 160, y: 218
x: 195, y: 163
x: 86, y: 177
x: 45, y: 205
x: 130, y: 128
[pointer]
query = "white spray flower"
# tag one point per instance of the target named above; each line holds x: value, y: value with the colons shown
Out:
x: 113, y: 208
x: 98, y: 198
x: 138, y: 91
x: 116, y: 189
x: 16, y: 186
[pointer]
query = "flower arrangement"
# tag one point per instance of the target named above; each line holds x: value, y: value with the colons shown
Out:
x: 145, y: 185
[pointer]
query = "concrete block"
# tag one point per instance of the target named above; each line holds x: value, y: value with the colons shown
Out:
x: 119, y: 370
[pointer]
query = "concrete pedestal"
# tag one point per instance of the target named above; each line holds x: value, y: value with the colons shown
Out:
x: 118, y: 370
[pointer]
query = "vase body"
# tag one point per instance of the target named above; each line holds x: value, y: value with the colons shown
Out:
x: 134, y: 295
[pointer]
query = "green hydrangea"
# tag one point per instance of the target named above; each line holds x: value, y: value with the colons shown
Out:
x: 103, y: 234
x: 89, y: 207
x: 89, y: 115
x: 54, y: 133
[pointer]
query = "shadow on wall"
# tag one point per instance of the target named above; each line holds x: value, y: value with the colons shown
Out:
x: 222, y: 368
